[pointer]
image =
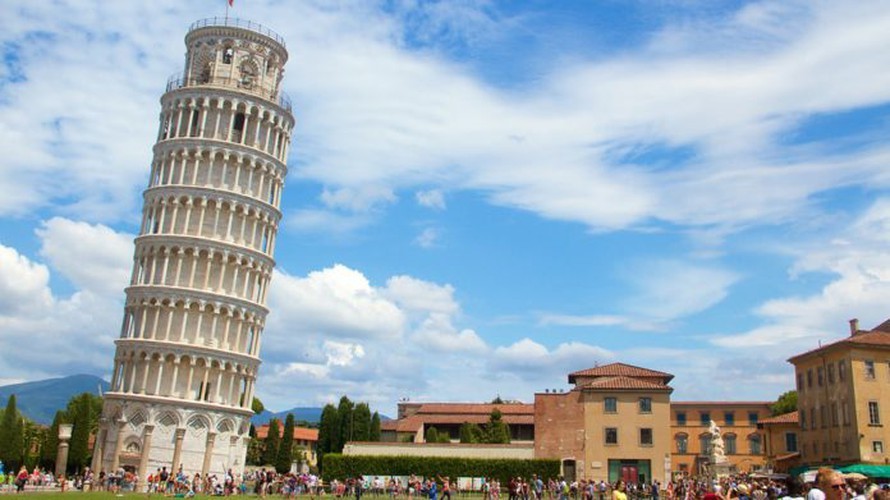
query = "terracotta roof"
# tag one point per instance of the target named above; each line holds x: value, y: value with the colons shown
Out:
x: 300, y: 433
x: 879, y: 337
x: 476, y: 408
x: 458, y: 413
x: 623, y: 383
x: 721, y: 403
x: 619, y: 370
x: 785, y: 418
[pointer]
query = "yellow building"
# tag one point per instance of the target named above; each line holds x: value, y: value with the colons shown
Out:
x: 743, y: 441
x: 842, y: 389
x: 781, y: 438
x: 614, y: 424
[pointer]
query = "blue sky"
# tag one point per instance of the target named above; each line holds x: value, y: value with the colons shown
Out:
x: 483, y: 196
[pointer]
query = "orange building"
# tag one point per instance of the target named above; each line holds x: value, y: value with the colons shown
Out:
x: 742, y: 440
x: 781, y: 437
x: 415, y: 418
x: 304, y: 437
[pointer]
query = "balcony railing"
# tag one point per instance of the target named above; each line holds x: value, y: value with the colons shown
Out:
x: 178, y: 81
x: 237, y: 23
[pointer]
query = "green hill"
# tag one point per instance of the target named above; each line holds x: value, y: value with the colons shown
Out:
x: 39, y: 400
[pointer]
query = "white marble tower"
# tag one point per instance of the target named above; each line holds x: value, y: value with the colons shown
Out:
x: 187, y: 357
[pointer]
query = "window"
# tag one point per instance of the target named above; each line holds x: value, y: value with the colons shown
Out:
x: 803, y: 420
x: 645, y: 405
x: 646, y: 437
x: 823, y: 416
x: 813, y: 418
x: 611, y: 435
x: 800, y: 382
x: 729, y: 418
x: 874, y: 415
x: 834, y: 419
x: 869, y: 370
x: 228, y: 54
x: 705, y: 418
x: 610, y: 405
x: 841, y: 370
x: 704, y: 442
x: 754, y: 444
x: 681, y: 418
x: 877, y: 446
x: 820, y: 376
x: 682, y: 441
x: 752, y: 418
x: 790, y: 442
x: 729, y: 444
x: 831, y: 373
x: 809, y: 379
x: 845, y: 413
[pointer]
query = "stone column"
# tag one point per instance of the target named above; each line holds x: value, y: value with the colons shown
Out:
x: 99, y: 445
x: 146, y: 450
x: 118, y: 444
x: 177, y: 450
x: 208, y: 453
x: 62, y: 455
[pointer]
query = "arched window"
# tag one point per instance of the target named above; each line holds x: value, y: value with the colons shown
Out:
x: 682, y: 440
x: 228, y: 55
x: 704, y: 441
x: 729, y: 443
x: 754, y: 444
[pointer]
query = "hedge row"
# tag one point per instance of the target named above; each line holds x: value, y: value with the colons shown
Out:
x: 337, y: 466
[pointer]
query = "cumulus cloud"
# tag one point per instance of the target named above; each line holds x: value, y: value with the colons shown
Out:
x: 427, y: 238
x: 531, y: 360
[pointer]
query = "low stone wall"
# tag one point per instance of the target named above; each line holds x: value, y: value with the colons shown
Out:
x: 524, y: 451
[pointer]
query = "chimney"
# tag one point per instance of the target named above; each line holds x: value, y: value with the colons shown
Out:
x: 854, y: 326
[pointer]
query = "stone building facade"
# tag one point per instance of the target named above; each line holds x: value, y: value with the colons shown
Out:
x: 186, y: 361
x: 843, y: 393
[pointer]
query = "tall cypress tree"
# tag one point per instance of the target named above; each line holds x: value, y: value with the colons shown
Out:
x: 286, y: 448
x: 345, y: 411
x: 273, y: 439
x: 375, y: 427
x: 11, y: 439
x: 361, y: 428
x: 49, y: 448
x: 328, y: 433
x: 82, y: 419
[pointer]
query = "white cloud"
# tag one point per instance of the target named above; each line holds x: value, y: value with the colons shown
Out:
x: 427, y: 238
x: 669, y: 290
x: 437, y: 332
x: 419, y: 296
x: 433, y: 198
x: 24, y: 285
x: 528, y: 359
x: 857, y: 260
x: 598, y: 320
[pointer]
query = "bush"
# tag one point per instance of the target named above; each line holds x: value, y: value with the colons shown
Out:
x: 337, y: 466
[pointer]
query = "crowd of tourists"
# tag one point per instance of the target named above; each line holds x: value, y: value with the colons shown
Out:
x: 829, y: 484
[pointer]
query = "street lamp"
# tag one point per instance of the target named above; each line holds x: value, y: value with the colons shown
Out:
x: 62, y: 456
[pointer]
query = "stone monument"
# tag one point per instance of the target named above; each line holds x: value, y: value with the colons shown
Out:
x: 718, y: 465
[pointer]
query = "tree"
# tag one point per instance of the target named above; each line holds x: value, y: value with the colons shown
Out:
x: 328, y: 432
x: 11, y: 439
x: 431, y: 435
x: 374, y: 435
x: 470, y: 433
x: 497, y: 400
x: 286, y: 447
x: 49, y: 448
x: 496, y: 431
x: 273, y: 439
x: 786, y: 403
x: 83, y: 415
x: 361, y: 417
x: 345, y: 415
x: 257, y: 406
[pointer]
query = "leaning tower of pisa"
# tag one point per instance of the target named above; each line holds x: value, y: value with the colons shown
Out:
x: 186, y: 361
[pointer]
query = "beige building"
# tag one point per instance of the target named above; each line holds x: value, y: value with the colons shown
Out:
x: 614, y: 424
x: 781, y: 438
x: 742, y: 440
x: 414, y: 419
x: 843, y: 395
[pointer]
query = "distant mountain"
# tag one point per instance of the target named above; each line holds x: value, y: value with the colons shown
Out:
x: 40, y: 400
x: 309, y: 414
